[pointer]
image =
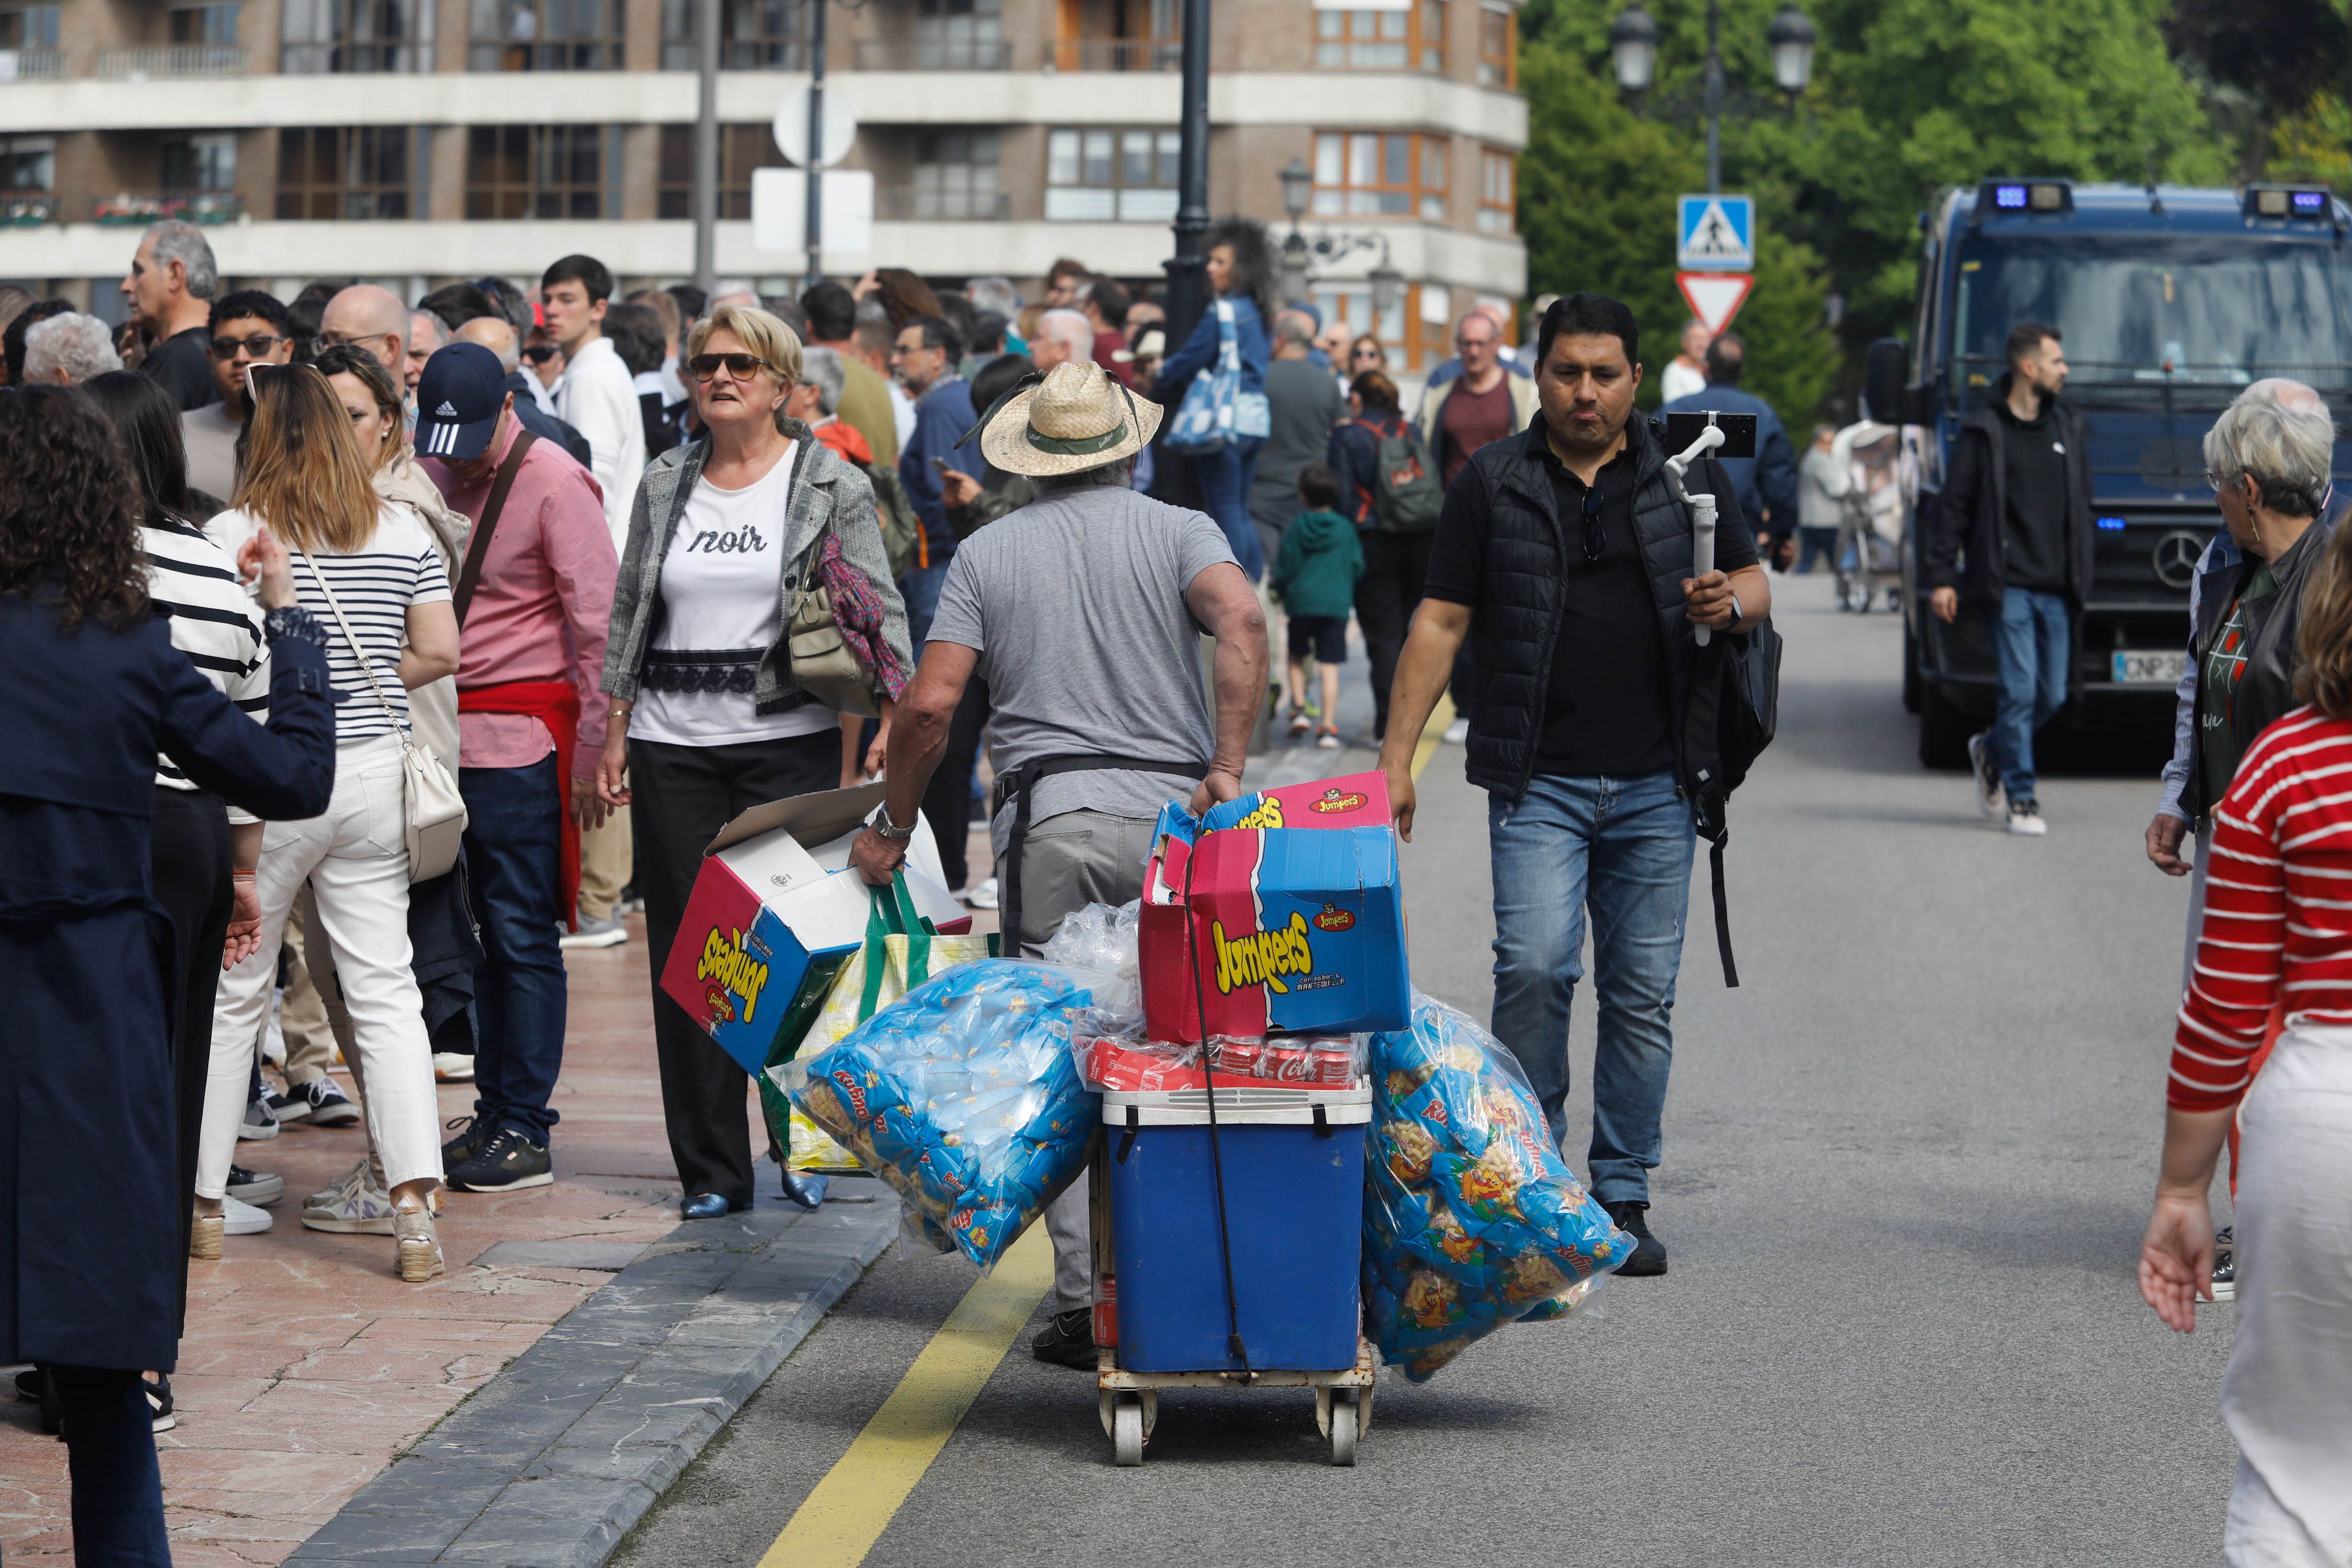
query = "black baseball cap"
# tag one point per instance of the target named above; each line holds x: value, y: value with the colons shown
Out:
x: 458, y: 401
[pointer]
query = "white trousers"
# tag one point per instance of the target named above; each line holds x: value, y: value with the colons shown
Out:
x: 2287, y: 1396
x: 355, y: 859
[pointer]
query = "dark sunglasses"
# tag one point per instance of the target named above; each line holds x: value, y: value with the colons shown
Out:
x: 742, y: 367
x: 1596, y: 537
x: 540, y: 354
x: 257, y: 345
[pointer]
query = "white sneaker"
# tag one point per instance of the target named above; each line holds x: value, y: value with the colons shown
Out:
x: 981, y: 896
x: 594, y: 932
x: 1458, y: 732
x: 243, y: 1219
x: 258, y: 1125
x: 2025, y: 819
x: 1988, y: 774
x: 452, y: 1066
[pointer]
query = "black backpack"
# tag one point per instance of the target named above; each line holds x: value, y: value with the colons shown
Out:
x: 1735, y: 705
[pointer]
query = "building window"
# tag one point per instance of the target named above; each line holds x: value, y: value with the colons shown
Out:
x: 753, y: 34
x: 1101, y: 177
x: 538, y: 172
x: 1387, y: 40
x: 1375, y: 175
x: 955, y: 176
x: 545, y: 35
x: 29, y: 27
x: 333, y: 172
x: 741, y: 148
x: 1498, y: 191
x: 199, y: 164
x: 1498, y: 46
x: 212, y: 24
x: 320, y: 37
x: 959, y: 34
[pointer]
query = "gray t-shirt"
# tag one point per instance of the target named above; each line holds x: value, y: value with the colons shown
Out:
x: 210, y: 436
x: 1304, y: 403
x: 1075, y: 606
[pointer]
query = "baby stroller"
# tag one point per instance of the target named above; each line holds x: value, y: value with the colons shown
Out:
x: 1870, y: 533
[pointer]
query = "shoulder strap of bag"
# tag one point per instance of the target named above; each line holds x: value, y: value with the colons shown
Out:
x: 477, y: 548
x: 358, y: 652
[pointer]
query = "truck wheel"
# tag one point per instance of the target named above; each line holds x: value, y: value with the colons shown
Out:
x: 1910, y: 663
x: 1944, y: 730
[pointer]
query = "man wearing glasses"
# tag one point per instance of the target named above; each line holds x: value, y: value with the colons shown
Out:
x: 2016, y: 506
x: 247, y: 328
x: 1564, y: 550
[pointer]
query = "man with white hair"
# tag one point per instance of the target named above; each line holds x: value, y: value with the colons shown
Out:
x: 170, y: 289
x: 1064, y: 336
x: 68, y: 350
x: 734, y: 291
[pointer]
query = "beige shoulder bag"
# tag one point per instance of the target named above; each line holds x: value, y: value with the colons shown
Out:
x: 433, y: 812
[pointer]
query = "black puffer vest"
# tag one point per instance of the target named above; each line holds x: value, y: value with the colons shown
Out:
x: 1530, y: 553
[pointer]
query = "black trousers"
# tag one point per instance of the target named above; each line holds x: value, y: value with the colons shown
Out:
x: 947, y: 803
x: 190, y: 863
x: 1394, y: 567
x: 684, y: 795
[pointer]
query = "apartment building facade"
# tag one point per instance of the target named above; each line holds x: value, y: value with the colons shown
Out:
x: 411, y: 141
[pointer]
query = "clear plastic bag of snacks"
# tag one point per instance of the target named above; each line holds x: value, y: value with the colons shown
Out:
x: 1472, y: 1219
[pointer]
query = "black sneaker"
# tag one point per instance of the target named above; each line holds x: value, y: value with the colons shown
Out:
x: 471, y: 1135
x: 259, y: 1188
x: 2225, y: 1264
x: 159, y: 1401
x: 1649, y: 1257
x: 508, y: 1162
x: 1068, y: 1340
x: 318, y: 1102
x: 33, y: 1388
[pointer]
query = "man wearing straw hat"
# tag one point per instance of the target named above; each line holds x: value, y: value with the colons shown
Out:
x: 1082, y: 611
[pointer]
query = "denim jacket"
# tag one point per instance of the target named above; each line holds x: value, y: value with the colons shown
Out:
x: 824, y: 492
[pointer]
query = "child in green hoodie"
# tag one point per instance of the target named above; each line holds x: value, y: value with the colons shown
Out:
x: 1316, y: 578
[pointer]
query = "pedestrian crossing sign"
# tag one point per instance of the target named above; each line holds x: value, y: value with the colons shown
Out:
x: 1716, y: 233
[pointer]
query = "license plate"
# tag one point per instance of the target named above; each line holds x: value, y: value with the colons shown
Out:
x: 2151, y: 668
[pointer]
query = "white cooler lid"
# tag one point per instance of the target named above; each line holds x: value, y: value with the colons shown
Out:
x: 1240, y: 1106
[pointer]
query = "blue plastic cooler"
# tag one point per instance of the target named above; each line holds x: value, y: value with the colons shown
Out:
x: 1294, y: 1204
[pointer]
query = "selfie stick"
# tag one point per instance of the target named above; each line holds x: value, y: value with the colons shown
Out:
x: 1702, y: 507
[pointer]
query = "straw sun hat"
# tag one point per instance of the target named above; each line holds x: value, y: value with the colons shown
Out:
x: 1076, y: 418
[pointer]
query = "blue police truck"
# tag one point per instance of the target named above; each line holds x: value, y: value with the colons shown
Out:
x: 2171, y: 301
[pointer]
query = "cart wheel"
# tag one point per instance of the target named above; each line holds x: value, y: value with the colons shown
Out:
x: 1343, y: 1427
x: 1127, y: 1430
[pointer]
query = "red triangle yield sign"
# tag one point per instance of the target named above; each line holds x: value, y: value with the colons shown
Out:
x: 1714, y: 297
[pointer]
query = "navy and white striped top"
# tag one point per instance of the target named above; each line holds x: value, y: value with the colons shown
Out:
x: 192, y: 581
x: 374, y: 585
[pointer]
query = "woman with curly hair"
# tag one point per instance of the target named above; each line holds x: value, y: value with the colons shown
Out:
x: 1241, y: 275
x: 368, y: 570
x: 88, y: 1253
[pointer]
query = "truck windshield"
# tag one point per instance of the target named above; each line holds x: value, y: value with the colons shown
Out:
x: 2158, y: 308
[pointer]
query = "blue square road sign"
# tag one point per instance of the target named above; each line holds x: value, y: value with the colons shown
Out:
x: 1715, y: 234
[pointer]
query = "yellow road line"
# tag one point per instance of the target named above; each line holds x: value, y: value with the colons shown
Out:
x: 840, y: 1522
x: 1432, y: 733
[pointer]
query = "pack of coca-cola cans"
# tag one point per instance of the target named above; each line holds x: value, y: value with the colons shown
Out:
x: 1290, y: 1061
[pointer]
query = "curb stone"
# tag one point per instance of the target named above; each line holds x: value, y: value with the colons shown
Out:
x: 551, y: 1461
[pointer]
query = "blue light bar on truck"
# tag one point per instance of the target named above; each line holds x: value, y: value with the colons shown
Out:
x: 2308, y: 203
x: 2008, y: 196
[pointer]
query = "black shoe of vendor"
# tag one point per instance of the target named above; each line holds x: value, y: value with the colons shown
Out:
x: 1068, y: 1340
x: 1649, y: 1253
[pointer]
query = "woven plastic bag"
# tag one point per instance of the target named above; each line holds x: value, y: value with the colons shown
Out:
x: 1472, y: 1219
x: 963, y: 1096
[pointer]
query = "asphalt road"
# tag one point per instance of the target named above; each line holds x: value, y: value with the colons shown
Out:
x: 1906, y: 1168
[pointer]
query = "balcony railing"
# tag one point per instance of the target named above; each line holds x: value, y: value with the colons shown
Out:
x: 1106, y: 204
x: 904, y: 203
x: 32, y: 65
x: 171, y: 60
x: 934, y: 54
x: 124, y: 209
x: 1118, y: 55
x: 28, y: 211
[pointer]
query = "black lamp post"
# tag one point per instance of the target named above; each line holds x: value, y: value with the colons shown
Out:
x: 1633, y: 49
x: 1188, y: 269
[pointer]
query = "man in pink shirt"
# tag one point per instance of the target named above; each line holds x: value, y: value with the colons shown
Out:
x: 534, y: 599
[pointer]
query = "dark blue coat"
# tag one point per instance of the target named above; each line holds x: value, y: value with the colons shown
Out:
x: 943, y: 416
x: 1767, y: 480
x: 88, y: 1203
x: 1199, y: 351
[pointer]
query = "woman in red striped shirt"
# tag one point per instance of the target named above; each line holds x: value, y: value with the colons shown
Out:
x: 2278, y: 924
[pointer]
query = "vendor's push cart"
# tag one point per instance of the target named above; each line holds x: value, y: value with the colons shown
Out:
x: 1257, y: 1291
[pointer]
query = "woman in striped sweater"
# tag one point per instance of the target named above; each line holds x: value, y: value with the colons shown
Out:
x: 2278, y: 925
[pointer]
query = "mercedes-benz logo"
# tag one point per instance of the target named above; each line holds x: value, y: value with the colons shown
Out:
x: 2176, y: 554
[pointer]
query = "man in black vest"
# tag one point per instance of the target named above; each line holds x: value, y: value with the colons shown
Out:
x: 1564, y: 550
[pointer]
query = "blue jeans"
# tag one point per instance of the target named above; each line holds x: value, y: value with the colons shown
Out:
x: 1224, y: 475
x: 2031, y: 642
x: 118, y: 1488
x: 1621, y: 847
x: 513, y: 860
x: 920, y: 588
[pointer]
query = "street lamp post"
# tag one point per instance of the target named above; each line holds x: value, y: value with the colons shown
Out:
x: 1634, y: 50
x: 1188, y: 269
x: 1301, y: 255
